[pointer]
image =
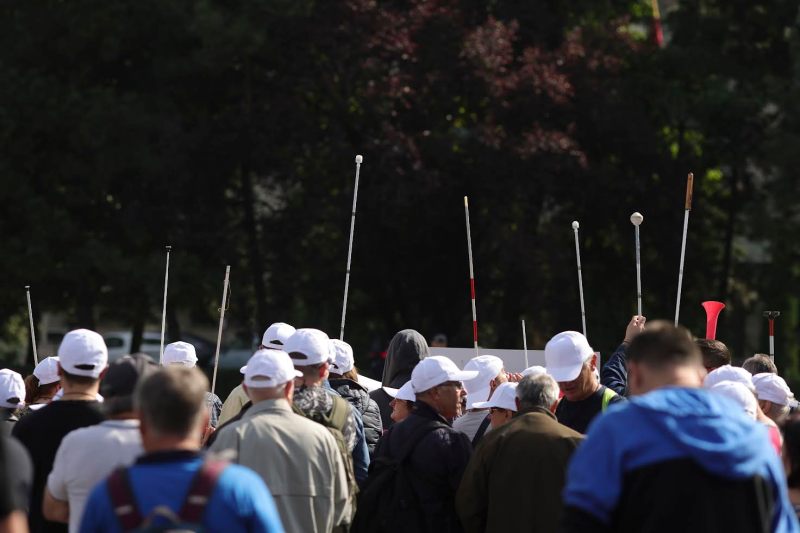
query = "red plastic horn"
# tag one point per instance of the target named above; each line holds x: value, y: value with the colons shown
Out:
x: 713, y: 309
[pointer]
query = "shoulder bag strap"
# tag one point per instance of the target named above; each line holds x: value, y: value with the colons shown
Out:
x: 481, y: 431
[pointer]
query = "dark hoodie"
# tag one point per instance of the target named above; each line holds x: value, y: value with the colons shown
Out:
x: 406, y: 349
x: 677, y: 459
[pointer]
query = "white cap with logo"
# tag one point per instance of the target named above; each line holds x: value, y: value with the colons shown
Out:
x: 565, y: 354
x: 435, y: 370
x: 406, y: 392
x: 83, y: 353
x: 729, y: 373
x: 12, y: 389
x: 269, y: 368
x: 343, y: 360
x: 308, y: 347
x: 773, y: 388
x: 479, y: 388
x: 276, y: 335
x: 179, y: 353
x: 47, y: 371
x: 504, y: 397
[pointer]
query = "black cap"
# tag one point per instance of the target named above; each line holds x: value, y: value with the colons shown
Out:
x: 124, y: 373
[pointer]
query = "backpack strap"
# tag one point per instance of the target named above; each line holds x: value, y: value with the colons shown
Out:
x: 123, y: 500
x: 608, y: 394
x: 200, y: 491
x: 339, y: 413
x: 481, y: 431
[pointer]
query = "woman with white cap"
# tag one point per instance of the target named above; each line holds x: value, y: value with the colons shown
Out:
x: 402, y: 403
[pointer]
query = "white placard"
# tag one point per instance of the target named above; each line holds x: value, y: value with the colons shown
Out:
x: 514, y: 359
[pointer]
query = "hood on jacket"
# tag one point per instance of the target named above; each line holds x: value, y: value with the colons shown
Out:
x: 406, y: 349
x: 709, y: 428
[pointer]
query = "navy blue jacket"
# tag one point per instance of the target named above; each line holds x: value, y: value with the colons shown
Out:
x: 677, y: 459
x: 614, y: 374
x: 436, y: 465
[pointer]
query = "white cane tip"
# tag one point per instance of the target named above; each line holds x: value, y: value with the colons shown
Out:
x: 466, y: 202
x: 636, y: 218
x: 27, y: 287
x: 359, y: 159
x: 575, y: 224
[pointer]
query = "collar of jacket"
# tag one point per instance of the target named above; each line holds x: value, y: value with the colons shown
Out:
x: 278, y: 404
x: 426, y: 411
x: 540, y: 410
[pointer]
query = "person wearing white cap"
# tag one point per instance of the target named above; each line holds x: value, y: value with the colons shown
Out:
x: 12, y: 397
x: 88, y: 455
x: 436, y: 454
x: 402, y: 401
x: 173, y: 486
x: 311, y: 352
x: 490, y: 374
x: 275, y: 336
x: 496, y: 492
x: 676, y: 457
x: 502, y: 405
x: 183, y: 353
x: 344, y: 380
x: 774, y: 396
x: 298, y: 459
x: 41, y: 386
x: 82, y: 362
x: 572, y: 363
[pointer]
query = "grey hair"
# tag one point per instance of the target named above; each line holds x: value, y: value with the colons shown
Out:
x: 537, y: 391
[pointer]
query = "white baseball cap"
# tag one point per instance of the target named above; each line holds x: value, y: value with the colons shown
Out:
x: 729, y: 373
x: 435, y: 370
x: 83, y: 353
x: 739, y: 393
x: 12, y: 389
x: 773, y: 388
x: 269, y: 368
x: 47, y: 371
x: 343, y: 360
x: 504, y: 397
x: 406, y: 392
x: 565, y: 354
x: 534, y: 370
x: 308, y: 347
x: 276, y: 335
x: 479, y: 388
x: 179, y: 353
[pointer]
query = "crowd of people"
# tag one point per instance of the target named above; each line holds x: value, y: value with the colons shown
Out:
x: 667, y: 436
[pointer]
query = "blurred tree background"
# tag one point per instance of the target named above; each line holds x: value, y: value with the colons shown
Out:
x: 227, y: 129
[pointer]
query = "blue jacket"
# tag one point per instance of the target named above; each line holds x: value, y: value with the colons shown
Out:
x: 677, y: 459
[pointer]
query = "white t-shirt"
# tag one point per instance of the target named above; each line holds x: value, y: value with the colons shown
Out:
x: 87, y: 456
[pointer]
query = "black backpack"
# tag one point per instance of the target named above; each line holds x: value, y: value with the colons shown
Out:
x: 387, y: 502
x: 190, y: 517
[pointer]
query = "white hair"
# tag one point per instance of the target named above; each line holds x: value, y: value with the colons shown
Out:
x: 539, y: 390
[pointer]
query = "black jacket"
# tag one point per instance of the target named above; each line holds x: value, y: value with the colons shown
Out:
x: 359, y: 398
x: 435, y: 466
x: 406, y: 349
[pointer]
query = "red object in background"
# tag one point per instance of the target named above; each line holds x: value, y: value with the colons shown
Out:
x: 658, y: 32
x: 713, y: 309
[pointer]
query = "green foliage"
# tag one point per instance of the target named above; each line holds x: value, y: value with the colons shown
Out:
x: 228, y: 130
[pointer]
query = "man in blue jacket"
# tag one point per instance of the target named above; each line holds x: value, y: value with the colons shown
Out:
x: 676, y: 457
